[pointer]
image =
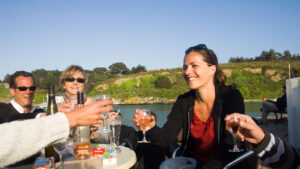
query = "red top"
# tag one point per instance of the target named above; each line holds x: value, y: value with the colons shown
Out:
x: 203, y: 138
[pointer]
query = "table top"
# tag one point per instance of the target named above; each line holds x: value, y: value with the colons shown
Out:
x: 125, y: 160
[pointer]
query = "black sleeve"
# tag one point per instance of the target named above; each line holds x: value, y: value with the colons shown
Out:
x: 166, y: 136
x: 129, y: 136
x: 281, y: 102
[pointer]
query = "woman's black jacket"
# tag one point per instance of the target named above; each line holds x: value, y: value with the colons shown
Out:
x: 228, y: 100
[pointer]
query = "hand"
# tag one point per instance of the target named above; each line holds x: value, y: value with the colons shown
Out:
x: 89, y: 114
x: 248, y: 130
x: 65, y: 107
x: 138, y: 113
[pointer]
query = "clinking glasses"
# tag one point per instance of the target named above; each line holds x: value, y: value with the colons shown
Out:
x: 71, y: 79
x: 31, y: 88
x: 200, y: 46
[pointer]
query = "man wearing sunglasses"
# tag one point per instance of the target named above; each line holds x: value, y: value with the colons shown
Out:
x: 22, y: 88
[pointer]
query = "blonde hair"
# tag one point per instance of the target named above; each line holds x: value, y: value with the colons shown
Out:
x: 70, y: 71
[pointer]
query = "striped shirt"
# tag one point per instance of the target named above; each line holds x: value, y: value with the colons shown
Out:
x: 275, y: 153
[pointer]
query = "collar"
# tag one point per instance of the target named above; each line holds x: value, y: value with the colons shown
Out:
x: 19, y: 108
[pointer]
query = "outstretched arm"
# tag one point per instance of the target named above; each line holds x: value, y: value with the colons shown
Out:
x: 272, y: 151
x: 30, y: 136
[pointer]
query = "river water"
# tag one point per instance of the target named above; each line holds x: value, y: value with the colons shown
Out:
x: 162, y: 110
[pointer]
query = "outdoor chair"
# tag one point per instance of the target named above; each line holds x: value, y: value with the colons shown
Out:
x: 276, y: 116
x: 280, y: 112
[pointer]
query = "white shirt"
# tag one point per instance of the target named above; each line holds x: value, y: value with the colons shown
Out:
x: 20, y: 109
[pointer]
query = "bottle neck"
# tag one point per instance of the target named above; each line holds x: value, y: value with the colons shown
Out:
x: 52, y: 107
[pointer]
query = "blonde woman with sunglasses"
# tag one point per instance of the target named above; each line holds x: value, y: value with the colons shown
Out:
x: 72, y: 80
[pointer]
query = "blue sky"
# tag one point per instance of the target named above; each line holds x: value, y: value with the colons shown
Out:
x: 53, y: 34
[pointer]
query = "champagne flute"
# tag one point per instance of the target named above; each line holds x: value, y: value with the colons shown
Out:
x: 144, y: 120
x: 104, y: 132
x: 59, y: 148
x: 115, y: 122
x: 234, y: 126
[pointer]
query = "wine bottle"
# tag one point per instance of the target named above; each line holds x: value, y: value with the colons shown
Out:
x: 81, y: 140
x: 52, y: 106
x: 51, y: 109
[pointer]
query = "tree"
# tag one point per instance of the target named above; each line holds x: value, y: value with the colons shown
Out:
x: 163, y: 82
x: 6, y: 78
x: 118, y: 68
x: 40, y: 78
x: 138, y: 69
x: 272, y: 55
x: 100, y: 70
x: 287, y: 55
x: 97, y: 75
x: 263, y: 56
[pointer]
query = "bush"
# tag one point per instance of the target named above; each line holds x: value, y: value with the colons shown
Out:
x: 163, y: 82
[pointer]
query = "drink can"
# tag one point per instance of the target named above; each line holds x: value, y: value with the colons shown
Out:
x: 44, y: 163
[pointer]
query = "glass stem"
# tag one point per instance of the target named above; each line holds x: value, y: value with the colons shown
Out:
x: 61, y: 162
x: 144, y: 133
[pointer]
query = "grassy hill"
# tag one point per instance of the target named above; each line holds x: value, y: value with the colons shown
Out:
x: 255, y: 80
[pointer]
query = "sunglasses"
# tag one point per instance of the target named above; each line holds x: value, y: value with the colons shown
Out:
x: 71, y: 79
x: 31, y: 88
x: 199, y: 47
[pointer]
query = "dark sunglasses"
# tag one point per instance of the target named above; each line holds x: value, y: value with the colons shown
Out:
x: 32, y: 88
x: 200, y: 46
x: 71, y: 79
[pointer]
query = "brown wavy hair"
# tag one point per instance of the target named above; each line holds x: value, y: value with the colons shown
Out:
x: 211, y: 59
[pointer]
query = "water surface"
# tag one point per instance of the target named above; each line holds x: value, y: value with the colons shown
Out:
x: 162, y: 110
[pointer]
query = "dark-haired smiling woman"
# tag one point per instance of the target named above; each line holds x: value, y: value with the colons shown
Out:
x: 200, y: 114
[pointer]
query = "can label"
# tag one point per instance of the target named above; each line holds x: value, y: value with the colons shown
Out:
x: 98, y: 152
x: 43, y: 163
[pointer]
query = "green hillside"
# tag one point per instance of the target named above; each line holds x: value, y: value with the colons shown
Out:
x: 255, y: 80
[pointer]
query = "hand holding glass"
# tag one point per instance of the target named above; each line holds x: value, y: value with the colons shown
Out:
x: 233, y: 125
x: 144, y: 120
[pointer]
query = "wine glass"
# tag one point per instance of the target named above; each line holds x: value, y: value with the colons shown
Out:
x: 104, y: 97
x: 144, y: 120
x: 115, y: 121
x: 234, y: 126
x: 104, y: 132
x: 59, y: 148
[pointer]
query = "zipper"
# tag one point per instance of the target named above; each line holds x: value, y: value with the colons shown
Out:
x: 188, y: 133
x: 219, y: 122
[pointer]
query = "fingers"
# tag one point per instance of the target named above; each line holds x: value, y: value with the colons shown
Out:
x: 105, y: 102
x: 248, y: 129
x: 240, y: 136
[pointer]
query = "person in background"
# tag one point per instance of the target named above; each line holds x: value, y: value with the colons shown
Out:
x: 22, y: 88
x: 200, y: 113
x: 272, y: 151
x: 72, y: 80
x: 273, y: 106
x: 30, y: 136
